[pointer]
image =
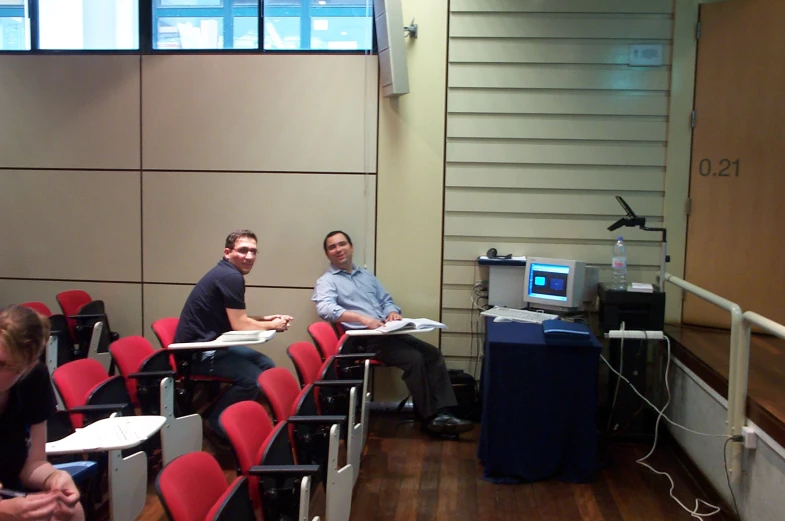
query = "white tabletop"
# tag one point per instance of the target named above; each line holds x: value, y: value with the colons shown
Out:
x: 120, y: 432
x: 373, y: 332
x: 228, y: 339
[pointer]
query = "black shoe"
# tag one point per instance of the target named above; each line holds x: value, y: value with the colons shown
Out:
x: 444, y: 424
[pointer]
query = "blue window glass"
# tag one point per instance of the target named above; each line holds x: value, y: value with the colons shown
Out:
x: 303, y: 25
x: 14, y: 25
x: 88, y: 24
x: 205, y: 24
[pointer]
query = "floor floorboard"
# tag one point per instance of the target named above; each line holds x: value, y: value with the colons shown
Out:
x: 407, y: 475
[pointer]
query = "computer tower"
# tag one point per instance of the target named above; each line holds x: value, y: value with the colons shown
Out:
x: 628, y: 416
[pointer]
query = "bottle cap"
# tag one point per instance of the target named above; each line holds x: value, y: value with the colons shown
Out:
x: 620, y: 238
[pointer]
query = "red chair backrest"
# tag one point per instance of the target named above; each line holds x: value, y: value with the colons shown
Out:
x: 71, y: 302
x: 190, y: 486
x: 324, y: 337
x: 306, y: 360
x: 39, y: 307
x: 75, y: 380
x: 247, y: 425
x: 164, y: 329
x: 129, y: 353
x: 281, y: 389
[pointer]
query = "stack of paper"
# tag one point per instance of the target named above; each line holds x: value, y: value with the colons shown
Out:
x: 640, y: 287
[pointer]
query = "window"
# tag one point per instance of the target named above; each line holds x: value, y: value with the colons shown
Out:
x: 205, y: 24
x: 113, y: 25
x: 14, y: 25
x: 318, y: 25
x: 88, y: 24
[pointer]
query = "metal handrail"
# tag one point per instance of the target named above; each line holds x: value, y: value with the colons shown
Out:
x: 738, y: 365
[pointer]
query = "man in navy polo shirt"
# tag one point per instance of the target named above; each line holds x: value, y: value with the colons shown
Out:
x: 217, y: 305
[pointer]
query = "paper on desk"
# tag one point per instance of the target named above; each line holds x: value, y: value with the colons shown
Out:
x: 245, y: 336
x: 640, y: 287
x: 116, y: 433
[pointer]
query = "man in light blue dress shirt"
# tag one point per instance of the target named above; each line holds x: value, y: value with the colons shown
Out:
x: 354, y: 297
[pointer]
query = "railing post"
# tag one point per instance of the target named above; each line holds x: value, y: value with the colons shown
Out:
x: 737, y: 386
x: 738, y: 364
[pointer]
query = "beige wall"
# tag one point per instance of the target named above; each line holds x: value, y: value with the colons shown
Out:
x: 411, y: 171
x: 170, y: 152
x: 546, y: 122
x: 122, y: 175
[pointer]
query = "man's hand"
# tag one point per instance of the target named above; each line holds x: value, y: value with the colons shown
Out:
x: 33, y: 507
x: 371, y: 323
x: 393, y: 316
x: 270, y: 318
x: 279, y: 324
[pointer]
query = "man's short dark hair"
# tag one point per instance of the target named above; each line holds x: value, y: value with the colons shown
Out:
x: 336, y: 232
x: 231, y: 239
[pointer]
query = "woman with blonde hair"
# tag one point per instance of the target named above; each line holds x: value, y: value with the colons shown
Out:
x: 26, y: 401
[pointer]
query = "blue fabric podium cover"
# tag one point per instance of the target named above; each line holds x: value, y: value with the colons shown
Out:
x: 539, y: 406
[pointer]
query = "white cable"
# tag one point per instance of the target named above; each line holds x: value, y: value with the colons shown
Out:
x: 661, y: 414
x: 618, y: 380
x: 655, y: 407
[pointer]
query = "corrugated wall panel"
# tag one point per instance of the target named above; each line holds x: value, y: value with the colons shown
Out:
x: 546, y: 123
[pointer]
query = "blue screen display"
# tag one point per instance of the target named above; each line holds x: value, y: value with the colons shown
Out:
x: 548, y: 281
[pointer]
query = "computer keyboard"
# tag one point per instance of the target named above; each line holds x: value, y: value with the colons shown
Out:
x: 519, y: 315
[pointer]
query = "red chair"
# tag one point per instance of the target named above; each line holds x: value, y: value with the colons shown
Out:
x: 281, y: 390
x: 325, y: 338
x: 258, y: 446
x: 315, y: 437
x: 70, y: 302
x: 39, y: 307
x: 143, y: 368
x: 307, y: 361
x: 86, y: 387
x: 333, y: 395
x: 82, y: 313
x: 165, y: 329
x: 193, y: 488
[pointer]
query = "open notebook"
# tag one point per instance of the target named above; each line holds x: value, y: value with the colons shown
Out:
x: 410, y: 324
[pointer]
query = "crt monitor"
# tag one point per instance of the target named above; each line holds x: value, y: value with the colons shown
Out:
x: 554, y: 284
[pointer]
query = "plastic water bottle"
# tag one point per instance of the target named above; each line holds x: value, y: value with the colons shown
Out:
x: 619, y: 265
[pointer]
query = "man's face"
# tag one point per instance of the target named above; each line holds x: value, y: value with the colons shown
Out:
x: 243, y: 255
x: 339, y: 251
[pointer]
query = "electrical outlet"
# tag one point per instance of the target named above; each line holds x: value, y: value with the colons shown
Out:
x: 750, y: 438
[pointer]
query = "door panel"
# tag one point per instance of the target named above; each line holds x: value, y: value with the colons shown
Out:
x: 735, y: 236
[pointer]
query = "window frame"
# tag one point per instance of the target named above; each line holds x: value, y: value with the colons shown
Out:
x: 149, y: 17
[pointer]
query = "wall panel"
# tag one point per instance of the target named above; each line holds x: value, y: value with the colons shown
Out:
x: 123, y: 302
x: 69, y: 111
x: 546, y: 123
x: 274, y: 113
x: 82, y: 225
x: 188, y: 215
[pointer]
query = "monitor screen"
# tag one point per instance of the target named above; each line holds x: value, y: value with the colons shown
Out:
x: 549, y: 281
x: 554, y: 284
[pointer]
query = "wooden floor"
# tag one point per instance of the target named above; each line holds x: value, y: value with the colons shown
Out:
x: 706, y: 352
x: 406, y: 475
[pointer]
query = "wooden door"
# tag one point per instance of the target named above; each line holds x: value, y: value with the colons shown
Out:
x: 736, y: 231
